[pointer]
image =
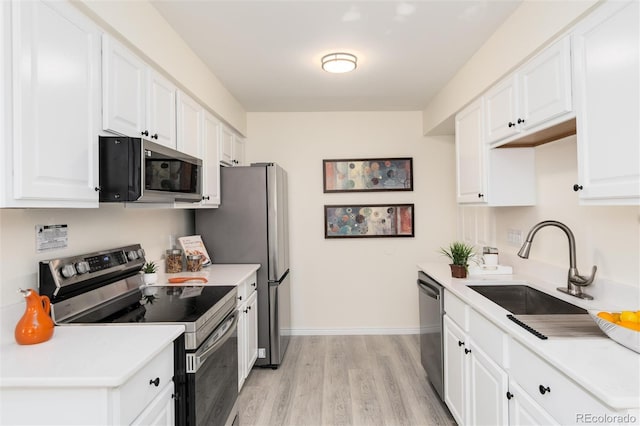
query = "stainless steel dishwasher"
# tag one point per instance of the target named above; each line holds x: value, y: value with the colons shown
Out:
x: 431, y: 307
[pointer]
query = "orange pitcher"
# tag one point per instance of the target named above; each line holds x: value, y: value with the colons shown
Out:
x: 35, y: 326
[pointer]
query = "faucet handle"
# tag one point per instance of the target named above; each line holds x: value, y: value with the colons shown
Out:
x: 581, y: 280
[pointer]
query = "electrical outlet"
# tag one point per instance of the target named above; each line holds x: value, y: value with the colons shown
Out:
x: 514, y: 237
x: 262, y: 353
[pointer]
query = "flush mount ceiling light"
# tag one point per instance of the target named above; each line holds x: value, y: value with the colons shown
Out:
x: 339, y: 62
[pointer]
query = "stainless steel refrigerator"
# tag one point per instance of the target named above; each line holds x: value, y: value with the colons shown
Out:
x: 251, y: 226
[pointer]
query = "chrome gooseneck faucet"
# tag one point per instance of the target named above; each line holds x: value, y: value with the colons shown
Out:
x: 575, y: 281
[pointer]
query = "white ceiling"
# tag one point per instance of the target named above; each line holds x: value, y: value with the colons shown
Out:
x: 267, y: 53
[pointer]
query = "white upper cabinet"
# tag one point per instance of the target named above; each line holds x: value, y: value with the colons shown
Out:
x: 536, y: 96
x: 470, y: 154
x: 211, y: 160
x: 161, y: 111
x: 50, y: 106
x: 606, y: 70
x: 189, y: 125
x: 231, y: 147
x: 486, y: 176
x: 137, y: 100
x: 501, y: 110
x: 545, y: 86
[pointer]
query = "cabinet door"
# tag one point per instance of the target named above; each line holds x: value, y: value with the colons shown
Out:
x: 501, y: 110
x: 455, y: 382
x: 160, y: 411
x: 488, y: 385
x: 606, y: 70
x: 211, y: 160
x: 524, y: 411
x: 470, y: 154
x: 242, y: 345
x: 238, y: 150
x: 56, y: 101
x: 545, y: 85
x: 123, y: 90
x: 226, y: 146
x: 161, y: 109
x: 252, y: 331
x: 189, y: 126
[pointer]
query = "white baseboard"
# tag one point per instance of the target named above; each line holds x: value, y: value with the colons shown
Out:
x: 349, y: 331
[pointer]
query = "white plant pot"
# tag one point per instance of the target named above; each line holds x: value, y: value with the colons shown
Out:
x: 150, y: 278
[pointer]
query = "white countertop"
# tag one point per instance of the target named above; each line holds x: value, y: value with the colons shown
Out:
x: 96, y: 355
x: 216, y: 274
x: 84, y: 356
x: 603, y: 367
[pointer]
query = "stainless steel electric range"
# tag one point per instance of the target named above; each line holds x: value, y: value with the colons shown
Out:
x: 105, y: 287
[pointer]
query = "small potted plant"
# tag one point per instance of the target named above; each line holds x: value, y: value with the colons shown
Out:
x: 150, y: 272
x: 459, y: 253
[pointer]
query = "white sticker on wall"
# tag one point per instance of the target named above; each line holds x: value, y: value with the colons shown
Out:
x: 51, y: 237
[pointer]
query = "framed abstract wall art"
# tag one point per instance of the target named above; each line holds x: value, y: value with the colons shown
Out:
x: 363, y: 175
x: 368, y: 220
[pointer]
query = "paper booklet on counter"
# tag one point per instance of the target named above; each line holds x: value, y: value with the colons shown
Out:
x: 193, y: 245
x: 490, y: 270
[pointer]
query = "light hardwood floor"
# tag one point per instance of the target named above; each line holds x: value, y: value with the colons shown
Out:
x: 344, y: 380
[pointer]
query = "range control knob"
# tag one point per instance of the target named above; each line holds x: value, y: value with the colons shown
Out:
x: 132, y: 255
x: 82, y: 267
x: 68, y: 270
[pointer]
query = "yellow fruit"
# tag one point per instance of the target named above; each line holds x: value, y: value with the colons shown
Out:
x: 628, y: 324
x: 616, y: 316
x: 606, y: 316
x: 628, y: 316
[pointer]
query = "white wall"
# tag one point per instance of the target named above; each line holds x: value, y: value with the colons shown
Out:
x: 359, y: 285
x: 534, y: 24
x: 606, y: 236
x: 110, y: 226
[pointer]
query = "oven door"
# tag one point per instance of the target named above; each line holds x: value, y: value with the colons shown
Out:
x: 212, y: 377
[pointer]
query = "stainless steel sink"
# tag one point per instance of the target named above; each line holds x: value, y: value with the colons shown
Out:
x: 524, y: 300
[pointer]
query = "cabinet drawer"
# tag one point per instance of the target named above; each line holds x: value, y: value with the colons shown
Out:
x: 243, y: 292
x: 563, y: 399
x: 457, y: 310
x: 141, y: 389
x: 488, y: 337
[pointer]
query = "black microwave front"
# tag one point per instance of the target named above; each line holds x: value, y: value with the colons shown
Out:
x: 137, y: 170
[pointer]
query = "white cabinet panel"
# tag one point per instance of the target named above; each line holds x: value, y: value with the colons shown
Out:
x: 247, y: 328
x: 189, y: 125
x: 226, y: 146
x: 470, y: 154
x: 501, y: 110
x: 536, y: 96
x: 545, y: 85
x: 160, y: 412
x: 124, y: 89
x: 211, y: 161
x: 252, y: 331
x: 55, y: 74
x: 524, y: 411
x: 488, y: 386
x: 455, y: 378
x: 137, y: 100
x: 606, y: 70
x: 161, y: 111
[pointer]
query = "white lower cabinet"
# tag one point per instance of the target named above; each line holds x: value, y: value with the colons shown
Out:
x: 492, y: 379
x: 475, y: 387
x: 146, y: 398
x: 161, y: 411
x: 524, y: 411
x: 247, y: 328
x: 51, y: 58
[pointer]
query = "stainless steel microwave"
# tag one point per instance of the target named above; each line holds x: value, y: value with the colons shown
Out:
x: 136, y: 170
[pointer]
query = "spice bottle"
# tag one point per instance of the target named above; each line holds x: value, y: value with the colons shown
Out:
x: 173, y: 261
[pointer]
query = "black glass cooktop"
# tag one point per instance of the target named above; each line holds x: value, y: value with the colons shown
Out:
x: 170, y: 304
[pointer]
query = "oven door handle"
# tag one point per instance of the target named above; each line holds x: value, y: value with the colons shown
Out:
x: 213, y: 343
